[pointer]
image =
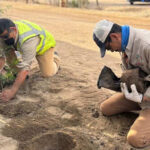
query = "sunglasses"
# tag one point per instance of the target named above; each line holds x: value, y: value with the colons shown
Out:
x: 6, y: 36
x: 107, y: 45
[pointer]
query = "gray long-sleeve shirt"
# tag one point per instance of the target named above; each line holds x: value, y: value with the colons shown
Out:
x: 26, y: 54
x: 138, y: 51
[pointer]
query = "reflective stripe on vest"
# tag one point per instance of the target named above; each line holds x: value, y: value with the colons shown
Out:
x: 26, y: 34
x: 29, y: 30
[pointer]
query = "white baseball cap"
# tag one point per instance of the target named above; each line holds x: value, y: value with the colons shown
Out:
x: 100, y: 33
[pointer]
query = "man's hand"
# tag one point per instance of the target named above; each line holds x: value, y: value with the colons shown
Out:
x: 7, y: 94
x: 134, y: 95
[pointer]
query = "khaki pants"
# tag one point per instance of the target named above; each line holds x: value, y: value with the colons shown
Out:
x: 139, y: 133
x: 48, y: 63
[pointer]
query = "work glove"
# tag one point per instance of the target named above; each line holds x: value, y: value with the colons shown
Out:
x: 133, y: 95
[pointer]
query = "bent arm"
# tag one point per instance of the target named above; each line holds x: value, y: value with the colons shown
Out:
x: 146, y: 96
x: 8, y: 94
x: 21, y: 76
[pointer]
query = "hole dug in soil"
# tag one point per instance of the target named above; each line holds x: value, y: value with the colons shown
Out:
x: 49, y: 141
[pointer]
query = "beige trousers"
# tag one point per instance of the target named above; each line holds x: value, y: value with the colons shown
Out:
x: 139, y: 133
x: 48, y: 63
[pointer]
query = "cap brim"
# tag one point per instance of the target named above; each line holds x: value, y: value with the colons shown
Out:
x: 100, y: 45
x: 102, y: 50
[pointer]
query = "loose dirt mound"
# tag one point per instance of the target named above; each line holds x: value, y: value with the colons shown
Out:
x: 50, y: 141
x: 20, y: 109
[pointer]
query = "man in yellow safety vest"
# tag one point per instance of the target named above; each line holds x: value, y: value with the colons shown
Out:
x: 20, y: 42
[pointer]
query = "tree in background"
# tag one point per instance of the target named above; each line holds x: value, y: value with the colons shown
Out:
x: 82, y: 3
x: 64, y: 3
x: 97, y: 2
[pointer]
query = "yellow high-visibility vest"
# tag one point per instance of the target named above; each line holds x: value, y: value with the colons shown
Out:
x: 28, y: 30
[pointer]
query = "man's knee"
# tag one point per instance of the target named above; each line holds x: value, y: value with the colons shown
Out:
x: 136, y: 139
x: 51, y: 72
x: 104, y: 109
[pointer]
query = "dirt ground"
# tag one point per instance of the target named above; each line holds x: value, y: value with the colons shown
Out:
x: 62, y: 112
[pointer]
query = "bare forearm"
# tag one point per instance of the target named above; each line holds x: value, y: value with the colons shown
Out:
x: 146, y: 98
x: 2, y: 62
x: 19, y: 80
